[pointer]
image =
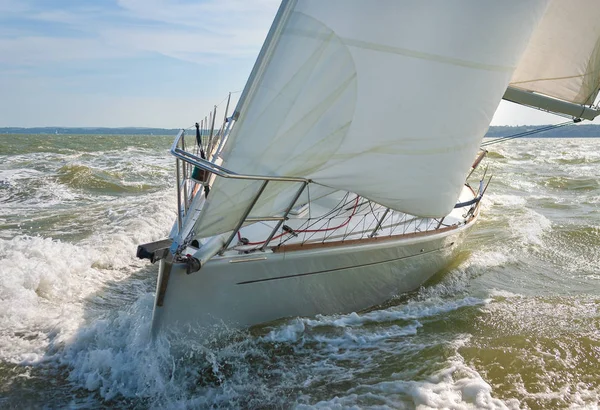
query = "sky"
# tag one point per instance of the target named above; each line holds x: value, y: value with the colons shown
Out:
x: 146, y: 63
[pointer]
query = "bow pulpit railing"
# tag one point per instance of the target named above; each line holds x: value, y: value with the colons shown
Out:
x: 190, y: 165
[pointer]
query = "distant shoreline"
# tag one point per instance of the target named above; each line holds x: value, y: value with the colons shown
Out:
x: 89, y: 131
x: 577, y: 131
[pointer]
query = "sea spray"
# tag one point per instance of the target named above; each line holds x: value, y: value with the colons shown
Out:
x: 512, y: 323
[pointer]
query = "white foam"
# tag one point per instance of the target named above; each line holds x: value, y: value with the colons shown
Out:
x: 457, y: 387
x: 115, y: 356
x: 490, y: 259
x: 354, y: 323
x: 501, y: 293
x: 45, y: 283
x: 48, y: 291
x: 367, y: 337
x: 39, y: 278
x: 506, y: 200
x: 287, y: 333
x: 530, y: 227
x: 410, y: 311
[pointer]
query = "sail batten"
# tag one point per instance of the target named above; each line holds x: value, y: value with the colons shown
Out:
x: 345, y: 99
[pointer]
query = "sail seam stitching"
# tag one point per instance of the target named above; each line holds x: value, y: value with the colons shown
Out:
x: 407, y: 52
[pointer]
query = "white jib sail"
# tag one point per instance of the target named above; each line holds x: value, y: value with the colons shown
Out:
x: 387, y: 99
x: 563, y: 56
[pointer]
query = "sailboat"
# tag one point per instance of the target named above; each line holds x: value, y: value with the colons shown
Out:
x: 339, y: 179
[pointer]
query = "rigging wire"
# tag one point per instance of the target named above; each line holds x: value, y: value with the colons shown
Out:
x: 529, y: 132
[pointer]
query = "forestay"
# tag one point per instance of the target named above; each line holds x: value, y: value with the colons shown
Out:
x: 388, y: 99
x: 563, y: 56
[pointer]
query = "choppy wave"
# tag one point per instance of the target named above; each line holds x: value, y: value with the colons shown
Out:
x: 550, y: 353
x: 495, y: 155
x: 15, y: 145
x: 573, y: 184
x: 577, y: 161
x: 93, y: 179
x: 512, y: 323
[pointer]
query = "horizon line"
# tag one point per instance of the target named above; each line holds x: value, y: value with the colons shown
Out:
x: 179, y: 128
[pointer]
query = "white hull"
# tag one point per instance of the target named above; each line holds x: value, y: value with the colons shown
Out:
x: 244, y: 290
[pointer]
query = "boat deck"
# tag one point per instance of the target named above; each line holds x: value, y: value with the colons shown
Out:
x: 343, y: 217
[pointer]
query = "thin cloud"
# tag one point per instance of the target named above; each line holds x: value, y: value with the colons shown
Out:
x: 118, y: 63
x: 216, y: 13
x: 200, y: 47
x: 198, y: 32
x: 35, y: 51
x: 12, y: 7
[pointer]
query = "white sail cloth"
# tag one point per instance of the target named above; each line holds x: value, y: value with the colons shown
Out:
x: 563, y: 56
x: 388, y: 99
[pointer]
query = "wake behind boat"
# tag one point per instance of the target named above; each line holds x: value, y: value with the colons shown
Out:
x: 335, y: 184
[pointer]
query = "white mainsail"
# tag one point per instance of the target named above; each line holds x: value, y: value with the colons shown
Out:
x: 563, y: 56
x: 388, y: 99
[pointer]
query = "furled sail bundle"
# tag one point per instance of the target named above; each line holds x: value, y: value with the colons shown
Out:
x: 562, y: 60
x: 387, y: 99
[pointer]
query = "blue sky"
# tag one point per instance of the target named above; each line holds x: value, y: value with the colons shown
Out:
x: 148, y: 63
x: 152, y: 63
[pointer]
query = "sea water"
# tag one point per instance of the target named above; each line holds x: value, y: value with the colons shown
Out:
x: 513, y: 322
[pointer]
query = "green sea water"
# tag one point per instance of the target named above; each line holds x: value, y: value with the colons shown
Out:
x: 513, y: 323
